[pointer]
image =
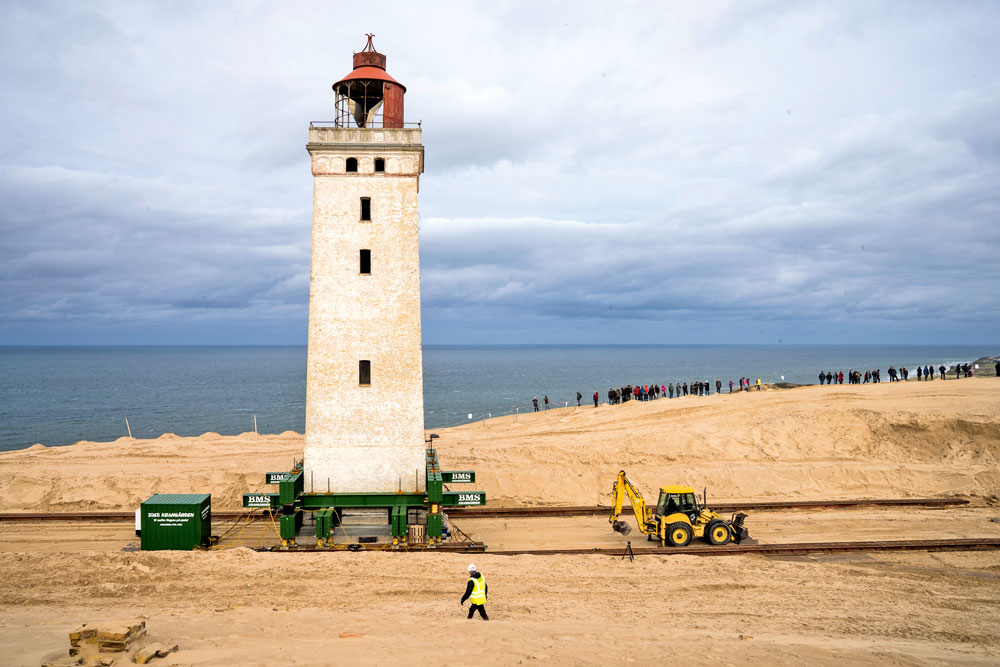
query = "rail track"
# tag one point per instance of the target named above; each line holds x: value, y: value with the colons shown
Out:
x: 554, y: 511
x: 97, y: 517
x: 786, y: 549
x: 781, y: 549
x: 592, y: 510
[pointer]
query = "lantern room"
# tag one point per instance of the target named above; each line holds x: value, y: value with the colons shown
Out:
x: 368, y: 96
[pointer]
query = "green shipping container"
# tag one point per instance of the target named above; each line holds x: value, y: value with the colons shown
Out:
x: 178, y: 521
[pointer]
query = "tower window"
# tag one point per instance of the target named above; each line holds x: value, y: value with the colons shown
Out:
x: 366, y: 262
x: 364, y: 372
x: 366, y: 209
x: 352, y: 165
x: 379, y: 164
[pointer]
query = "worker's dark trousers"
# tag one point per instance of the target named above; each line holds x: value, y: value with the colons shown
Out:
x: 480, y: 608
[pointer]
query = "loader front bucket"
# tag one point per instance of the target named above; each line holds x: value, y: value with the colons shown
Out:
x: 621, y: 527
x: 739, y: 531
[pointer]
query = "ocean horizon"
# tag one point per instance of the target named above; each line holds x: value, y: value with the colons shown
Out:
x: 58, y: 395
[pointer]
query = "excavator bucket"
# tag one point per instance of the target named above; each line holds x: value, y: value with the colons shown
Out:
x: 621, y: 527
x: 739, y: 531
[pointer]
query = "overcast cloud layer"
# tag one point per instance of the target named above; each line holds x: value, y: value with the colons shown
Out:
x: 596, y: 172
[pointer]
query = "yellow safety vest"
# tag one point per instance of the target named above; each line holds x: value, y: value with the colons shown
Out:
x: 478, y: 590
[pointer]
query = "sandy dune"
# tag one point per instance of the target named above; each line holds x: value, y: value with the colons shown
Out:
x: 248, y: 608
x: 886, y: 440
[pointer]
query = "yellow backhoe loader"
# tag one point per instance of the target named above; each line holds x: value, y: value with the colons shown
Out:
x: 676, y: 519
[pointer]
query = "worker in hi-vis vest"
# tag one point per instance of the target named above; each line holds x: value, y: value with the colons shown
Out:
x: 475, y: 592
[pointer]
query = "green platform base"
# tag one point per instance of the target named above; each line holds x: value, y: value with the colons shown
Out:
x: 328, y: 507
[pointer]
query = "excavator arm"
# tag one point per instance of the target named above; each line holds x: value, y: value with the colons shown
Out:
x: 621, y: 488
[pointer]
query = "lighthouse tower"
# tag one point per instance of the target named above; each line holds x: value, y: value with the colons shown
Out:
x: 364, y: 396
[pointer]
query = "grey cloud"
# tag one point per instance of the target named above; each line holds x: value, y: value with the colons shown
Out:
x: 830, y: 169
x: 141, y: 250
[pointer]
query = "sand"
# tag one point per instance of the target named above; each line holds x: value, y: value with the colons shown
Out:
x: 243, y: 607
x: 887, y: 440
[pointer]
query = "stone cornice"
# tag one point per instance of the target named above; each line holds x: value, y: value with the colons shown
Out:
x: 365, y: 135
x: 365, y: 148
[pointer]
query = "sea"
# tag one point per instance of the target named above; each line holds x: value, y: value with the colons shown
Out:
x: 60, y: 395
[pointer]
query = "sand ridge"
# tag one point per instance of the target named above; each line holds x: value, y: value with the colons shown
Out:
x: 887, y: 440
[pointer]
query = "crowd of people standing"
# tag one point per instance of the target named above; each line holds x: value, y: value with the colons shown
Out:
x: 901, y: 374
x: 853, y: 376
x: 654, y: 391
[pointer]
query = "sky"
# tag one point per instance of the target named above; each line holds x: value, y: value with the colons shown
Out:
x: 596, y: 173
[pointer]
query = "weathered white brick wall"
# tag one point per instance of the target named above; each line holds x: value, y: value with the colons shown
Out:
x: 364, y: 438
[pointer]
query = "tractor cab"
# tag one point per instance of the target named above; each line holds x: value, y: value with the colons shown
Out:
x: 674, y: 499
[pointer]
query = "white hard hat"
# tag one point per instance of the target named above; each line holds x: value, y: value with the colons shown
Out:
x: 472, y: 568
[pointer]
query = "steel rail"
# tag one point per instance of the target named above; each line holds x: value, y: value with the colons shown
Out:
x: 454, y: 547
x: 554, y: 511
x: 787, y: 549
x: 98, y: 517
x: 591, y: 510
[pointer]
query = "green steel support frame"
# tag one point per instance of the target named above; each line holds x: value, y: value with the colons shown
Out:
x: 293, y: 503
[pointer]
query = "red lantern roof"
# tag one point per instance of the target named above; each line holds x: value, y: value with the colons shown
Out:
x: 369, y: 73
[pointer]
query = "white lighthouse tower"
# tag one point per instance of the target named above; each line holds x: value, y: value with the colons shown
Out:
x: 364, y: 396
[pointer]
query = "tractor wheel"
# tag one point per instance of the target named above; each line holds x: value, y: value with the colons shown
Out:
x: 718, y: 533
x: 679, y: 534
